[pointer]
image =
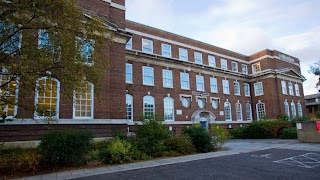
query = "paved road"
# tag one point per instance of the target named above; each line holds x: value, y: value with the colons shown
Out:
x: 265, y: 164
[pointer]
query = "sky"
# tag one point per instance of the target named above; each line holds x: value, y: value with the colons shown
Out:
x: 242, y: 26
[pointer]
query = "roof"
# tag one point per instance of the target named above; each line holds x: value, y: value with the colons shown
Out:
x: 312, y: 96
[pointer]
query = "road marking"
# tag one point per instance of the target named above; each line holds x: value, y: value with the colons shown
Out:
x: 308, y: 160
x: 262, y: 156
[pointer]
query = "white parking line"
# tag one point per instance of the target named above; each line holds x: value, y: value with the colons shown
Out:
x: 308, y: 160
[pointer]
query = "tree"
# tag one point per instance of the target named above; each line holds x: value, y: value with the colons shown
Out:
x: 315, y: 69
x: 52, y: 38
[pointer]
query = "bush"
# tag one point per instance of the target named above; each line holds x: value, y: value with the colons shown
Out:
x: 118, y: 151
x: 219, y: 136
x: 151, y: 135
x: 200, y: 138
x: 65, y: 147
x: 289, y: 133
x: 181, y: 145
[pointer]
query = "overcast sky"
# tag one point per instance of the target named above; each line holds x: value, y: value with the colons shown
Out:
x: 243, y: 26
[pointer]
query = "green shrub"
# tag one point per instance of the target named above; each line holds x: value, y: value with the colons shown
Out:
x: 118, y: 151
x: 151, y: 135
x: 289, y: 133
x: 238, y: 133
x: 65, y: 147
x: 219, y: 136
x: 200, y: 137
x: 181, y: 145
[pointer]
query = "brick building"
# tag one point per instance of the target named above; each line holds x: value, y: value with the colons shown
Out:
x: 184, y: 80
x: 312, y: 105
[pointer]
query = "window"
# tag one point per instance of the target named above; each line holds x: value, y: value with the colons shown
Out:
x: 8, y: 31
x: 227, y: 111
x: 225, y: 84
x: 166, y: 50
x: 129, y: 44
x: 296, y: 87
x: 86, y: 49
x: 47, y: 98
x: 246, y: 88
x: 299, y: 107
x: 147, y: 46
x: 234, y: 66
x: 129, y: 107
x: 284, y: 87
x: 286, y: 109
x: 83, y: 102
x: 293, y: 110
x: 224, y: 64
x: 236, y: 88
x: 186, y: 101
x: 168, y: 105
x: 256, y: 68
x: 201, y: 102
x: 258, y: 89
x: 167, y: 78
x: 44, y: 42
x: 148, y: 106
x: 244, y: 69
x: 248, y: 111
x: 290, y: 88
x: 44, y: 39
x: 261, y: 110
x: 198, y: 57
x: 148, y: 76
x: 128, y: 73
x: 184, y: 79
x: 200, y: 83
x: 214, y: 85
x: 183, y: 54
x: 238, y: 111
x: 211, y: 61
x: 8, y: 94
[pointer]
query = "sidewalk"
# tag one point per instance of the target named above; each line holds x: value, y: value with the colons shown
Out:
x: 233, y: 147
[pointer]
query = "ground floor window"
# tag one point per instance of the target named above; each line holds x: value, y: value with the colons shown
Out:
x: 248, y: 111
x: 261, y: 110
x: 83, y: 102
x: 148, y: 106
x: 227, y: 111
x: 8, y: 95
x: 168, y: 105
x: 238, y: 111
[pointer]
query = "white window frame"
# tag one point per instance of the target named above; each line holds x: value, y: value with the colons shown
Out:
x: 257, y: 87
x: 182, y: 76
x: 244, y: 68
x: 293, y: 110
x: 129, y: 97
x: 129, y: 67
x: 213, y: 85
x: 226, y: 87
x: 199, y: 83
x: 5, y: 92
x: 145, y: 44
x: 212, y: 61
x: 224, y: 64
x: 167, y: 77
x: 238, y: 111
x: 91, y: 104
x: 290, y: 87
x: 153, y: 104
x: 234, y: 66
x: 246, y: 89
x: 286, y: 109
x: 145, y: 75
x: 183, y: 54
x: 256, y: 67
x: 284, y: 87
x: 227, y: 115
x: 129, y: 44
x: 263, y: 114
x: 299, y: 108
x: 197, y: 57
x: 236, y: 85
x: 249, y: 111
x: 163, y: 48
x: 297, y: 90
x: 165, y: 108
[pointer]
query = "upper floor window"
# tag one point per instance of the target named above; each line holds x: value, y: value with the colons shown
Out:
x: 214, y: 84
x: 284, y: 87
x: 148, y: 75
x: 183, y: 54
x: 200, y: 83
x: 148, y: 106
x: 224, y: 64
x: 129, y: 44
x: 296, y: 87
x: 236, y: 88
x: 44, y: 39
x: 234, y: 66
x: 168, y: 105
x: 227, y: 111
x: 290, y: 88
x: 184, y: 80
x: 244, y: 69
x: 246, y: 88
x: 147, y: 46
x: 258, y: 89
x: 8, y: 94
x: 248, y: 111
x: 261, y: 110
x: 86, y: 49
x: 166, y: 50
x: 256, y: 68
x: 83, y: 102
x: 198, y: 57
x: 129, y: 107
x: 128, y: 73
x: 13, y: 38
x: 286, y: 109
x: 238, y: 111
x: 225, y: 84
x: 167, y: 78
x: 212, y: 61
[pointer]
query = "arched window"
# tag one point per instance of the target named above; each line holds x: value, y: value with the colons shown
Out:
x: 248, y: 111
x: 227, y: 111
x: 168, y: 105
x: 148, y: 106
x: 238, y: 111
x: 47, y: 98
x: 299, y: 107
x: 8, y: 95
x: 293, y: 110
x: 286, y: 109
x: 83, y: 102
x: 261, y: 110
x: 129, y: 107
